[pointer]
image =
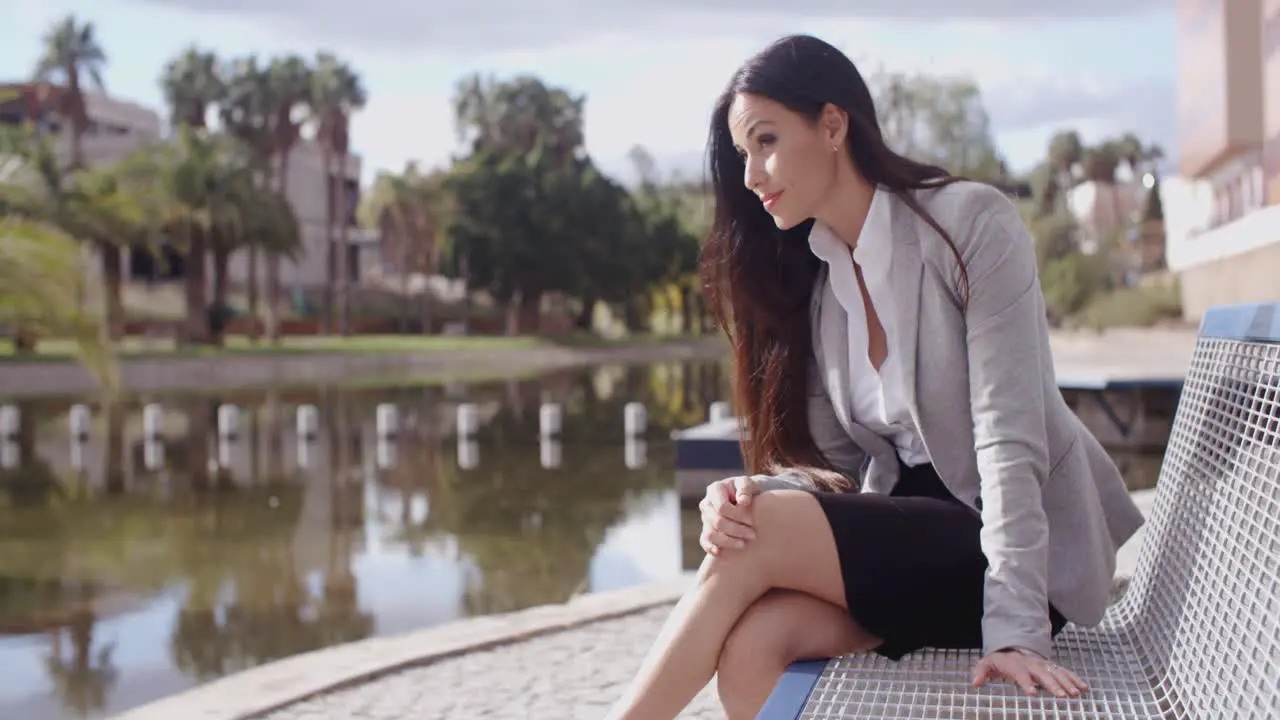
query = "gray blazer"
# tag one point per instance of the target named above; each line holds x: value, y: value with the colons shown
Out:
x: 982, y: 392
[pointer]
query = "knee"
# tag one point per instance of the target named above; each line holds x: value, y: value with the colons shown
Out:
x: 762, y: 636
x: 775, y: 516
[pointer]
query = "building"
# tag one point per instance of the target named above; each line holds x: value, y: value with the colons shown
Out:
x: 1222, y: 215
x: 1271, y: 99
x: 311, y: 190
x: 117, y: 128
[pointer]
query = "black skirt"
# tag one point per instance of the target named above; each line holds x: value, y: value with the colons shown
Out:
x: 912, y: 564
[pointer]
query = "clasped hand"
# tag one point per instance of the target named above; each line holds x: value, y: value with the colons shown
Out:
x: 727, y: 525
x: 726, y: 515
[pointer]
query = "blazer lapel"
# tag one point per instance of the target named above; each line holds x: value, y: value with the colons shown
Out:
x: 907, y: 270
x: 830, y: 325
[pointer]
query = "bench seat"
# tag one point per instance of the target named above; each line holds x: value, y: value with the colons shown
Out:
x: 1196, y: 634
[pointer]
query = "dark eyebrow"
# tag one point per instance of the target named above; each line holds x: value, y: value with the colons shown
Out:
x: 751, y: 130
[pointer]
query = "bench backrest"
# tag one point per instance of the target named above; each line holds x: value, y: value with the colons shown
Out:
x: 1204, y: 602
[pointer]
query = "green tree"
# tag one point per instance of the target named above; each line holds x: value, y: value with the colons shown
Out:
x: 40, y: 279
x: 1066, y: 151
x: 91, y: 206
x: 938, y: 120
x: 194, y: 190
x: 410, y: 210
x: 514, y: 193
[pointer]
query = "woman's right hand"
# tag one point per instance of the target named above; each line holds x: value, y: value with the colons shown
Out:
x: 726, y: 515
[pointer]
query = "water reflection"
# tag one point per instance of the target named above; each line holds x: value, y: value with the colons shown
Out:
x: 163, y: 552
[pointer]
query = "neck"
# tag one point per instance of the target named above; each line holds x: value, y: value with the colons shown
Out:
x: 847, y: 204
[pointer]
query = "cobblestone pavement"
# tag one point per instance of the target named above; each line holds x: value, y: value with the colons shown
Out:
x: 571, y: 675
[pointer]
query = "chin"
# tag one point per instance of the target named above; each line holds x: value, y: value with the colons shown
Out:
x: 785, y: 223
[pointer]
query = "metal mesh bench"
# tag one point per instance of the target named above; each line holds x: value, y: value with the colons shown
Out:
x: 1197, y: 633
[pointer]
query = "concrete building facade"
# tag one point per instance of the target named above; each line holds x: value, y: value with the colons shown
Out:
x: 1222, y: 216
x: 118, y: 128
x: 310, y: 190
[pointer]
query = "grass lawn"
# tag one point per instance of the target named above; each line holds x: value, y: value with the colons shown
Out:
x: 57, y: 349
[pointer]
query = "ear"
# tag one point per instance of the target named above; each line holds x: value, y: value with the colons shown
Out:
x: 834, y: 124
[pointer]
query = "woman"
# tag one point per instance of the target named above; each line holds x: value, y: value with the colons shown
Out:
x: 917, y: 478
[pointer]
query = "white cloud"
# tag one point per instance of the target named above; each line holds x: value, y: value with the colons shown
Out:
x: 465, y: 25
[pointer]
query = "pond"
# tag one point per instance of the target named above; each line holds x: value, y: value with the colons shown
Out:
x: 133, y: 568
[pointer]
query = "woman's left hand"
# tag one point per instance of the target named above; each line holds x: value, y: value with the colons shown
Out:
x: 1029, y: 671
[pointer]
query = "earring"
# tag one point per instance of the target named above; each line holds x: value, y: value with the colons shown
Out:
x: 835, y: 148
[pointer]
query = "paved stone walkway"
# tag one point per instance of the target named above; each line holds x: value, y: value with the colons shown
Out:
x: 572, y: 675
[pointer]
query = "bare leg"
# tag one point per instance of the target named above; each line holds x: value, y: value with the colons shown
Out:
x: 793, y: 550
x: 780, y: 628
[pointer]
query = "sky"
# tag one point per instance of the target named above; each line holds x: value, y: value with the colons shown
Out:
x: 650, y: 69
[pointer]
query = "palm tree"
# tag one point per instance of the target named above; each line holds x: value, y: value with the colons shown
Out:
x: 246, y: 112
x: 71, y: 53
x: 259, y: 219
x: 192, y: 83
x: 1065, y: 152
x: 410, y: 210
x: 290, y: 81
x: 40, y: 277
x: 191, y: 189
x: 336, y: 92
x: 89, y: 205
x: 520, y: 115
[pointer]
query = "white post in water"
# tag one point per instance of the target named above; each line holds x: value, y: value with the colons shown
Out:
x: 308, y: 423
x: 468, y: 420
x: 635, y: 418
x: 77, y: 455
x: 10, y: 420
x: 719, y: 411
x: 78, y: 424
x: 228, y: 422
x: 386, y: 452
x: 228, y: 433
x: 551, y: 452
x: 550, y: 420
x: 304, y: 454
x: 468, y: 453
x: 225, y: 450
x: 10, y: 453
x: 153, y: 454
x: 152, y: 421
x: 388, y: 422
x: 78, y: 420
x: 636, y: 453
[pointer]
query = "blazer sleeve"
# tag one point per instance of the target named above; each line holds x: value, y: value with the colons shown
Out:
x: 1005, y: 331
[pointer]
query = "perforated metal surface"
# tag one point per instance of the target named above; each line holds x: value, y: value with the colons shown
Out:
x: 1197, y: 634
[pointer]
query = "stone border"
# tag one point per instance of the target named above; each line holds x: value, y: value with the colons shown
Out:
x: 155, y: 374
x: 257, y: 691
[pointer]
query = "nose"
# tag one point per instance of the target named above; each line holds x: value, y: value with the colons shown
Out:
x: 753, y: 173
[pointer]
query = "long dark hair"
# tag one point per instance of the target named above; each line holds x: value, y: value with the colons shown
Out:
x: 758, y: 279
